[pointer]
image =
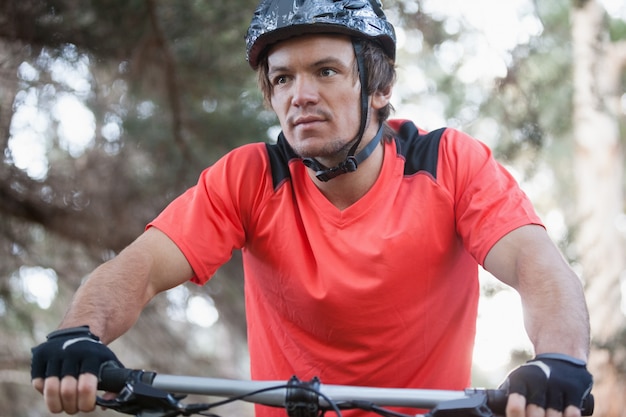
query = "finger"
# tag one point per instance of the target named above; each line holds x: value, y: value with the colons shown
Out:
x: 533, y: 410
x: 38, y: 365
x: 108, y: 396
x: 536, y: 411
x: 53, y: 368
x: 69, y: 394
x: 91, y: 365
x: 87, y: 388
x: 515, y: 405
x: 572, y: 411
x: 554, y: 401
x: 51, y: 394
x: 68, y: 368
x: 38, y: 384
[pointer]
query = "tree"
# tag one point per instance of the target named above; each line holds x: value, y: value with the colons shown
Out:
x: 164, y: 90
x: 558, y: 113
x: 599, y: 68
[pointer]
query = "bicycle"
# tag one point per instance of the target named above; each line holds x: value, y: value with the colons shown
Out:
x: 148, y: 394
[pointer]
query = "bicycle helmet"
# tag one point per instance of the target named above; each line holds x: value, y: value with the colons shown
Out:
x: 276, y: 20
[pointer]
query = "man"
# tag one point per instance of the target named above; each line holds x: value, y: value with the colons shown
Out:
x: 361, y: 237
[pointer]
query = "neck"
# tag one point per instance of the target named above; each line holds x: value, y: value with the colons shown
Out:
x: 355, y: 157
x: 348, y: 188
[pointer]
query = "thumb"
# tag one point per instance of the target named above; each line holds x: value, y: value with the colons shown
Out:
x: 38, y: 384
x: 516, y: 405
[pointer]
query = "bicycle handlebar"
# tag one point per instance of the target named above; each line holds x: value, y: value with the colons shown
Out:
x: 152, y: 391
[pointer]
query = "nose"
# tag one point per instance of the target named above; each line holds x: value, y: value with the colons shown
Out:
x: 305, y: 92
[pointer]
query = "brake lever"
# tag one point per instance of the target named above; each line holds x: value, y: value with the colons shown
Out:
x: 475, y: 405
x: 143, y: 400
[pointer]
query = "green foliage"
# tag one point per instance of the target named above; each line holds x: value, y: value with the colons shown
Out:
x: 617, y: 30
x: 169, y: 91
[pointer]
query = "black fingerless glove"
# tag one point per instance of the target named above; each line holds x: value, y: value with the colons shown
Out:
x: 71, y: 351
x: 551, y: 380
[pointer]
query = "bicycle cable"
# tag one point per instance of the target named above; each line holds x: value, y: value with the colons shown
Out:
x: 332, y: 404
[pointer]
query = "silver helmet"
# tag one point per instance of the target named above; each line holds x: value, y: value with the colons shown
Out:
x: 276, y: 20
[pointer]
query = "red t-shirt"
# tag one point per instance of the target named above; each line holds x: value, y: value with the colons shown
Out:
x: 382, y: 293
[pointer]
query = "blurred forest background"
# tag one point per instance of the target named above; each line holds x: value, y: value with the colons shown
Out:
x: 111, y: 108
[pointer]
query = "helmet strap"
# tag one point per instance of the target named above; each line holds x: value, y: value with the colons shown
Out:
x: 350, y: 164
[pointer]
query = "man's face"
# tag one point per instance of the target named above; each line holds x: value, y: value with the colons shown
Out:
x: 315, y: 94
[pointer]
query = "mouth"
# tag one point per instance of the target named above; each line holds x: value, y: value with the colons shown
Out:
x: 306, y: 120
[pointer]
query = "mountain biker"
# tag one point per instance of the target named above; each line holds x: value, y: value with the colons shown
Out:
x: 361, y: 237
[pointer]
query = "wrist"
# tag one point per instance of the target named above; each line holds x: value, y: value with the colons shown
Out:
x: 561, y: 357
x: 71, y: 331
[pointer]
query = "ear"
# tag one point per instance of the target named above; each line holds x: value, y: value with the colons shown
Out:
x: 381, y: 98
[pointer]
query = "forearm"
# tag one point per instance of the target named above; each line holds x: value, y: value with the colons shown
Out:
x: 113, y: 296
x: 555, y: 312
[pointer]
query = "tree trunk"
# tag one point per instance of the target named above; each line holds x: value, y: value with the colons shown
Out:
x: 598, y: 164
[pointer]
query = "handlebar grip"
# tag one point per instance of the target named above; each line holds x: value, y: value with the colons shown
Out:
x: 112, y: 378
x: 496, y: 401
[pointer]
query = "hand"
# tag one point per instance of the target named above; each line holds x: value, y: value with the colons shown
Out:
x: 550, y: 384
x: 517, y: 407
x: 65, y: 368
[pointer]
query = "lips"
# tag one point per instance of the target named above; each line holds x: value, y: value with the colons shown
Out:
x: 304, y: 120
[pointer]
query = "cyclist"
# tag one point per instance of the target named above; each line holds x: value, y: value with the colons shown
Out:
x: 361, y: 237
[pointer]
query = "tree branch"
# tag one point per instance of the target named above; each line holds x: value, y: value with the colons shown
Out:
x: 172, y: 87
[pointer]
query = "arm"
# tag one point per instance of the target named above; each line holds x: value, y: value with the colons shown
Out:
x: 555, y: 312
x: 115, y: 293
x: 110, y: 301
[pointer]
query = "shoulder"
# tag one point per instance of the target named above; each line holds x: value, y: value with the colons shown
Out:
x: 249, y: 152
x: 426, y: 150
x: 419, y: 148
x: 261, y: 166
x: 242, y: 161
x: 238, y: 171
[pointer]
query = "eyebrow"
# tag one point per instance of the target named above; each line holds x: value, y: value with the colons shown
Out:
x: 320, y: 63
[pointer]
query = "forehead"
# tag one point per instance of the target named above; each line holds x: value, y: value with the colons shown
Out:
x: 311, y: 46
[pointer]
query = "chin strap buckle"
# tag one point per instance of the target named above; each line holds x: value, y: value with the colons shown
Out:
x: 327, y: 174
x: 349, y: 165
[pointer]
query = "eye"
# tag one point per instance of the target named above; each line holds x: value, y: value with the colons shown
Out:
x: 327, y: 72
x: 279, y: 79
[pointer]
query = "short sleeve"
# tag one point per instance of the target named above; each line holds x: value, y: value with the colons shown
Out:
x: 209, y: 220
x: 489, y: 202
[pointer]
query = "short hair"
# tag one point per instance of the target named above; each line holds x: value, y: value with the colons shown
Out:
x: 381, y: 74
